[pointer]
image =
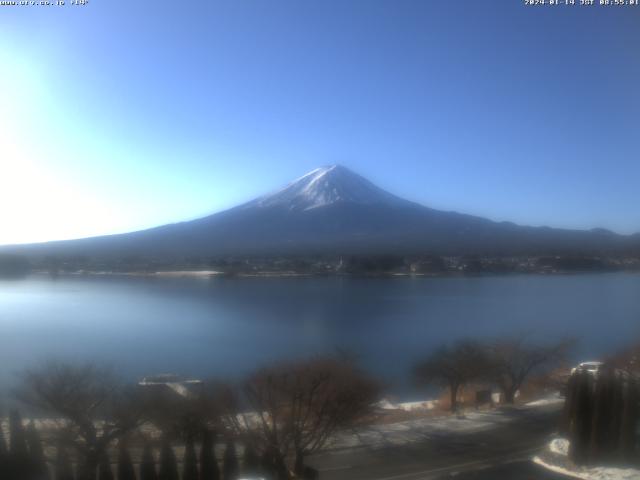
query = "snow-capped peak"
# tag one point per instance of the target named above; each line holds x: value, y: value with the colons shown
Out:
x: 325, y: 186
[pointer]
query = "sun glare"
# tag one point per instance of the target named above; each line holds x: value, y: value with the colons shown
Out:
x: 37, y: 203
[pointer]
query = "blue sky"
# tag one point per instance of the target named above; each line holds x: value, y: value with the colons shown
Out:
x: 122, y: 115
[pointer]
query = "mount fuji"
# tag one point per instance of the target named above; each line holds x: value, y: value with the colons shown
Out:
x: 332, y: 210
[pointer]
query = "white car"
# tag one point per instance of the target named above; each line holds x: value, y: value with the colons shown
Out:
x: 591, y: 367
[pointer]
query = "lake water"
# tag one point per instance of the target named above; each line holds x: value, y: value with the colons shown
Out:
x: 228, y: 326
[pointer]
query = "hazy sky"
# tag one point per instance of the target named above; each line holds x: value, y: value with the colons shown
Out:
x: 121, y: 115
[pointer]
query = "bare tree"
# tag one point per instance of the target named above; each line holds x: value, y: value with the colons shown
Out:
x: 185, y: 417
x: 514, y: 359
x: 454, y: 367
x: 298, y: 407
x: 91, y: 407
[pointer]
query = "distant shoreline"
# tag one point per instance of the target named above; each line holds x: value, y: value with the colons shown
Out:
x: 204, y: 274
x: 363, y: 265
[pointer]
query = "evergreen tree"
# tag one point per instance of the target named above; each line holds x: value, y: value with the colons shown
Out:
x: 299, y: 464
x: 168, y: 464
x: 104, y: 468
x: 251, y: 464
x: 602, y: 412
x: 629, y: 419
x: 190, y: 461
x: 125, y: 465
x: 617, y: 410
x: 19, y: 462
x: 581, y: 418
x: 230, y: 467
x: 63, y: 468
x: 17, y: 437
x: 600, y: 442
x: 208, y: 464
x: 4, y: 455
x: 569, y: 408
x: 87, y: 467
x: 148, y: 464
x: 39, y: 468
x: 3, y: 444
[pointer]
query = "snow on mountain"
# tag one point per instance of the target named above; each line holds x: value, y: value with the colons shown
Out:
x: 326, y: 186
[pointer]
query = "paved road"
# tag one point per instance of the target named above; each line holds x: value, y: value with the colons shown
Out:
x: 521, y: 470
x: 437, y: 455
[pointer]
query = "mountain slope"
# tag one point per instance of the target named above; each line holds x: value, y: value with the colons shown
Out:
x: 334, y: 210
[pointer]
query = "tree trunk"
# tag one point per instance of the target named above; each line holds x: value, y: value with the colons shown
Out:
x: 509, y: 395
x: 282, y: 471
x: 299, y: 465
x: 454, y: 397
x: 274, y: 465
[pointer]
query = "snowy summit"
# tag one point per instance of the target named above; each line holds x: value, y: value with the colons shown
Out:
x: 326, y: 186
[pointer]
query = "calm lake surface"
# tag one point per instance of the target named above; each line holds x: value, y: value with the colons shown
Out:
x: 228, y: 326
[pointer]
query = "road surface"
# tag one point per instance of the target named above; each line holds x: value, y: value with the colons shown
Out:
x: 521, y: 470
x: 499, y: 450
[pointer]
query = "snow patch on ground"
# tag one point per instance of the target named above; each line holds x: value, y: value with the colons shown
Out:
x: 555, y: 459
x: 420, y: 429
x: 550, y: 400
x: 559, y: 446
x: 595, y: 473
x: 408, y: 406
